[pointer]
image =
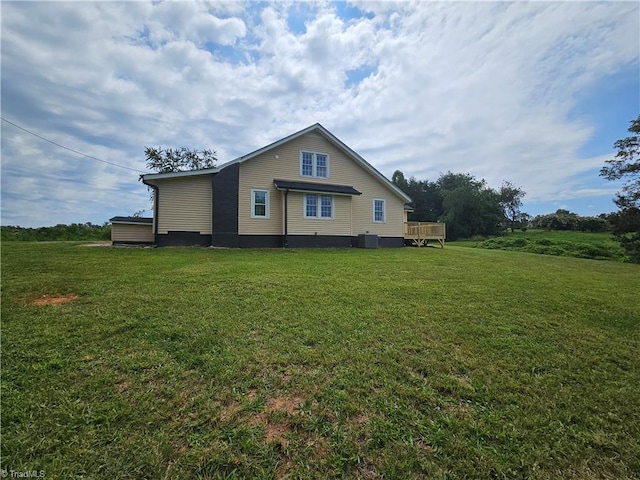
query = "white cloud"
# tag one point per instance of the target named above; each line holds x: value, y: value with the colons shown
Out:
x: 485, y: 88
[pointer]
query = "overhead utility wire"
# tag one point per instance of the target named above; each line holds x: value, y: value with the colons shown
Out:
x: 70, y: 149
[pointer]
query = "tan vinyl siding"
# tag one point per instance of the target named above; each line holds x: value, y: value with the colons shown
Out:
x: 121, y: 232
x: 283, y: 162
x: 185, y: 204
x: 340, y: 224
x: 363, y: 212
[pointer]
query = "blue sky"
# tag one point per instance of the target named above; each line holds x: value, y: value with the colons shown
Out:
x: 534, y: 93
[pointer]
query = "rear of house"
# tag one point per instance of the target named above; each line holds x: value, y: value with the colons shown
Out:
x: 305, y: 190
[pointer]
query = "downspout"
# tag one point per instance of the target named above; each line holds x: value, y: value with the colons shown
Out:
x: 156, y: 200
x: 286, y: 218
x: 213, y: 214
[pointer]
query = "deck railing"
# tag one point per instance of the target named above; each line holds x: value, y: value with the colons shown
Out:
x: 421, y: 232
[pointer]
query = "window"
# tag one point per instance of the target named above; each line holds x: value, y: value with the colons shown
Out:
x: 326, y: 210
x: 307, y: 164
x: 379, y: 215
x: 311, y: 209
x: 318, y: 206
x: 314, y: 164
x: 259, y: 203
x: 321, y: 165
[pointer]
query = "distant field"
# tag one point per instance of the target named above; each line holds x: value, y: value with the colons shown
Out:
x: 410, y: 363
x: 598, y: 246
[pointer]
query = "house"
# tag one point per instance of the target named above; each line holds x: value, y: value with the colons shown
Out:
x: 306, y: 190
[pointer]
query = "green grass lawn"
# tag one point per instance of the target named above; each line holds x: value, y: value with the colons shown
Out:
x: 400, y: 363
x: 599, y: 246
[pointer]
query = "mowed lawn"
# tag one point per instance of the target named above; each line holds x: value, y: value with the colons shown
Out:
x: 349, y: 363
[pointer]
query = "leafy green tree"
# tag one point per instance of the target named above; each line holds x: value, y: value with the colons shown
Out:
x: 179, y: 159
x: 560, y: 220
x: 626, y: 164
x: 427, y: 200
x: 511, y: 202
x: 426, y: 197
x: 399, y: 181
x: 592, y: 224
x: 469, y: 207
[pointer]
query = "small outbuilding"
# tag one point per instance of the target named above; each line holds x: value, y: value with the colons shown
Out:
x: 131, y: 231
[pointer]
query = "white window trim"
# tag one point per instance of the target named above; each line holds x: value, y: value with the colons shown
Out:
x: 384, y: 210
x: 314, y: 165
x: 318, y: 215
x: 253, y: 203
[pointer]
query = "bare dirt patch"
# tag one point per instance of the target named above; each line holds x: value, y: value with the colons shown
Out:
x: 124, y: 387
x: 367, y: 470
x: 230, y: 411
x: 96, y: 244
x: 251, y: 394
x: 284, y: 469
x: 286, y: 404
x: 55, y: 299
x: 275, y: 432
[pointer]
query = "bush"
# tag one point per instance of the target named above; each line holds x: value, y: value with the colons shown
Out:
x: 544, y: 241
x: 74, y: 231
x: 604, y: 250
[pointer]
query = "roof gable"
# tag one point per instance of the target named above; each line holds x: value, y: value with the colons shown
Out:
x: 317, y: 128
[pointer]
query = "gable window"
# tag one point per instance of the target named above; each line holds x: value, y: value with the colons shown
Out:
x: 259, y: 203
x: 318, y: 206
x: 307, y: 164
x: 379, y: 213
x: 314, y: 164
x: 321, y: 165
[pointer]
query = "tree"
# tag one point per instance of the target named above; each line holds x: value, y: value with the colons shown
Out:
x: 399, y: 181
x: 510, y: 202
x: 626, y: 164
x: 179, y: 159
x: 426, y: 197
x: 469, y: 206
x: 560, y: 220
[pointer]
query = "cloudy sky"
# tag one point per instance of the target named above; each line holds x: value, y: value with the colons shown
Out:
x: 535, y: 93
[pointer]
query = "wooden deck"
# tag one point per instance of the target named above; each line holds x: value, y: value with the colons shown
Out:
x: 421, y: 232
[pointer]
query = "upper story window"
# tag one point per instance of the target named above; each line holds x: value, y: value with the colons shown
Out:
x: 379, y: 210
x: 314, y: 164
x: 259, y: 203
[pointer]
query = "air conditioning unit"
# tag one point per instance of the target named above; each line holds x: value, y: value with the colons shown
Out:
x: 367, y: 240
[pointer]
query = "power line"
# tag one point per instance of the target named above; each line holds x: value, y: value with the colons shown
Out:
x: 70, y: 149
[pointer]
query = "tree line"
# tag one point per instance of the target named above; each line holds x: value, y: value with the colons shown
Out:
x: 467, y: 205
x: 471, y: 208
x: 60, y: 232
x: 565, y: 220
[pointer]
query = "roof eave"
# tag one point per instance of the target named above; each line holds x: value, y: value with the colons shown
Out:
x: 187, y: 173
x: 310, y: 187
